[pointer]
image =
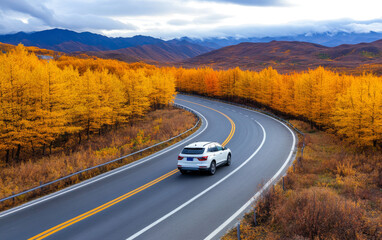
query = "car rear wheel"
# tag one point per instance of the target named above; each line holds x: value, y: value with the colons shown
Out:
x: 228, y: 163
x: 182, y: 171
x: 212, y: 168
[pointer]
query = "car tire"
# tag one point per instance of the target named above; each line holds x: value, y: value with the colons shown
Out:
x: 212, y: 168
x: 228, y: 163
x: 182, y: 171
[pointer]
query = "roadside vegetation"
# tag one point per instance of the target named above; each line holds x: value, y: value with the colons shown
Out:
x: 334, y: 193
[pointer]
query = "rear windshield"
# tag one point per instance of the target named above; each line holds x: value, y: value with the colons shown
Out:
x: 193, y: 151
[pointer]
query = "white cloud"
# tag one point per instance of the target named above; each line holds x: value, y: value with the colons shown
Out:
x: 365, y: 27
x: 199, y: 18
x: 251, y: 2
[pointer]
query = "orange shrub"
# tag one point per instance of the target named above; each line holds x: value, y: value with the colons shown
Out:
x: 319, y: 213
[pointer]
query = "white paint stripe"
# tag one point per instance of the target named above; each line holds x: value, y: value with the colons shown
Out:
x: 105, y: 175
x: 202, y: 193
x: 257, y: 195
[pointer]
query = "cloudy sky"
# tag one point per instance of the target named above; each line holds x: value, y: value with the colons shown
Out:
x: 194, y: 18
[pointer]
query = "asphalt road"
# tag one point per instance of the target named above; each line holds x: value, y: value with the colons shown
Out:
x: 150, y: 199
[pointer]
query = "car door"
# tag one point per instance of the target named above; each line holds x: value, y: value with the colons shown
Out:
x: 220, y: 153
x: 213, y: 151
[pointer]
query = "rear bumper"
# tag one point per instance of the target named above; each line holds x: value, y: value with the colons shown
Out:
x: 193, y: 169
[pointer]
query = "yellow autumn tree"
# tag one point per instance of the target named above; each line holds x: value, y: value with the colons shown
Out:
x: 137, y: 90
x: 358, y: 112
x: 163, y: 88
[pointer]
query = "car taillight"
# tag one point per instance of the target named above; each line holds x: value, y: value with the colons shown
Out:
x: 180, y: 158
x: 203, y: 158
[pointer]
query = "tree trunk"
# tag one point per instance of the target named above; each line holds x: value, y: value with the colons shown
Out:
x: 88, y: 130
x: 43, y: 149
x: 7, y: 157
x: 32, y: 148
x: 18, y: 152
x: 50, y: 147
x: 79, y: 138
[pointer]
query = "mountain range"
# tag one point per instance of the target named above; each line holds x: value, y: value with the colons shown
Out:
x: 70, y: 41
x: 289, y: 56
x: 163, y: 52
x: 285, y: 54
x: 133, y: 49
x: 327, y: 39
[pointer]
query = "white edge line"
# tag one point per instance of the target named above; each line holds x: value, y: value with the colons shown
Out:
x: 257, y: 195
x: 201, y: 193
x: 105, y: 175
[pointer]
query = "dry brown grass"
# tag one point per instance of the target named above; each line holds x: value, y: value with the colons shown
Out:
x: 334, y: 194
x: 157, y: 126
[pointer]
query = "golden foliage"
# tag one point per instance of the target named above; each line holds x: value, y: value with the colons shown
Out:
x: 41, y: 101
x: 349, y: 105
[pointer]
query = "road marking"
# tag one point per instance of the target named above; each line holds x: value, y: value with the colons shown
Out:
x: 125, y: 196
x: 202, y: 193
x: 233, y: 126
x: 101, y: 208
x: 105, y: 175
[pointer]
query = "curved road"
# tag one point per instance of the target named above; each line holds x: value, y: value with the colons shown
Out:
x: 150, y: 199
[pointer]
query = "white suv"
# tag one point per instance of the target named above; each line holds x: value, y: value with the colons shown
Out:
x: 203, y: 156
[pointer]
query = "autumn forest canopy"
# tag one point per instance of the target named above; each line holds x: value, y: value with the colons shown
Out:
x: 350, y: 106
x: 41, y: 101
x: 45, y: 100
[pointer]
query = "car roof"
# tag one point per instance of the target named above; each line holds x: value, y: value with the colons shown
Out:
x: 198, y: 144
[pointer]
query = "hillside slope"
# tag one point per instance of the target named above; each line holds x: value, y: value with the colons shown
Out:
x: 162, y: 52
x: 70, y: 41
x: 289, y: 56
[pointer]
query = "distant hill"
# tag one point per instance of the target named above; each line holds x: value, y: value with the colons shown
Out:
x: 289, y: 56
x: 285, y: 55
x: 165, y: 52
x: 70, y: 41
x: 137, y: 48
x: 327, y: 39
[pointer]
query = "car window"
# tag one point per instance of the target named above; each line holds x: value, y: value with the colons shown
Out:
x: 213, y: 149
x: 193, y: 151
x: 220, y: 148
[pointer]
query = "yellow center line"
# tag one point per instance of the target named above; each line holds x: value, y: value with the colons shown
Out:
x: 233, y: 127
x: 102, y: 207
x: 127, y: 195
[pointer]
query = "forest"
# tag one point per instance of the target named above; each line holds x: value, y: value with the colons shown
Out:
x: 349, y: 106
x: 43, y: 102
